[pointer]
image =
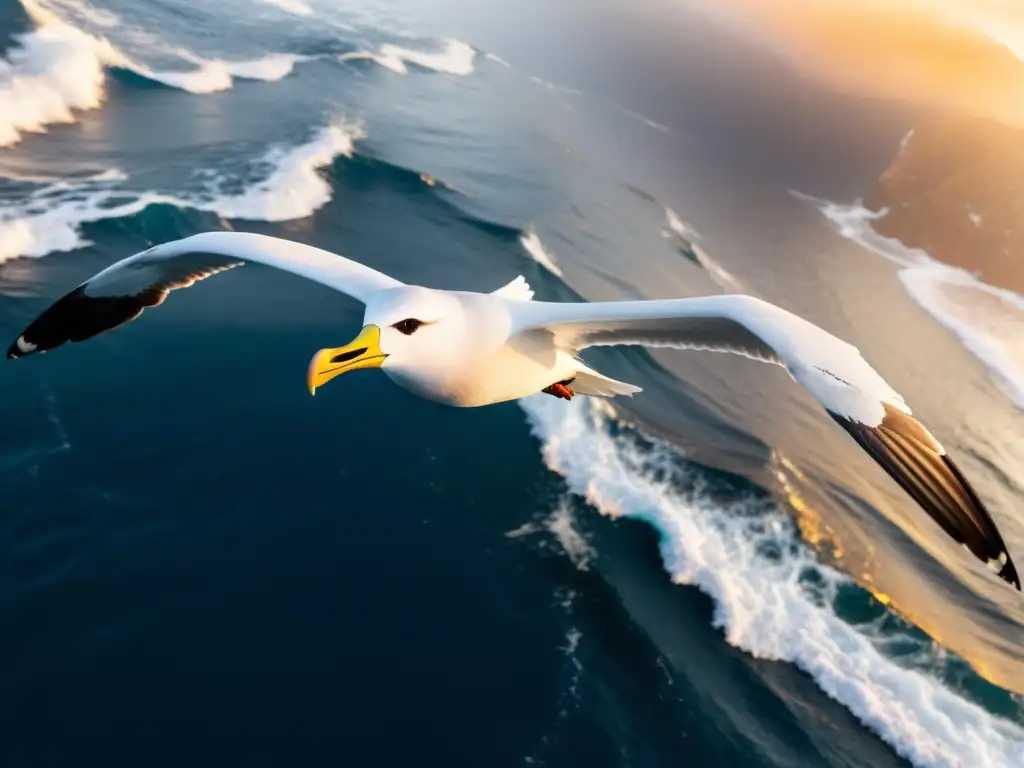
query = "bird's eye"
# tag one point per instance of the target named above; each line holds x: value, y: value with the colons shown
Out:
x: 408, y: 326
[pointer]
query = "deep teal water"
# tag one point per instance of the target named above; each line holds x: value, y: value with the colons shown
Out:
x: 202, y: 565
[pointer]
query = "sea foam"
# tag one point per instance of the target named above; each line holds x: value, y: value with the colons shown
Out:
x: 294, y: 188
x: 454, y: 57
x: 50, y: 218
x: 48, y: 75
x: 212, y: 75
x: 298, y: 7
x: 686, y: 235
x: 748, y: 558
x: 988, y: 321
x: 530, y: 241
x: 58, y: 69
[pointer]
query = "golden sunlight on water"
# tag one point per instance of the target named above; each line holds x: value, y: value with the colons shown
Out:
x: 943, y: 622
x: 963, y: 55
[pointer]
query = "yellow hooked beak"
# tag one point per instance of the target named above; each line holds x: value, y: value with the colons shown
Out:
x: 362, y: 352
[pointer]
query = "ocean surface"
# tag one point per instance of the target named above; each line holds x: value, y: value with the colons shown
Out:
x: 201, y: 565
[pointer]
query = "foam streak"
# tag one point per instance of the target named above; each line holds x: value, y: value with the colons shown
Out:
x: 988, y: 321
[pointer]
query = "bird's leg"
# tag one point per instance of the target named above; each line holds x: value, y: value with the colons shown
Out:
x: 561, y: 389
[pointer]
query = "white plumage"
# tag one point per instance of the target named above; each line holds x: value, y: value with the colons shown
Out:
x: 470, y: 349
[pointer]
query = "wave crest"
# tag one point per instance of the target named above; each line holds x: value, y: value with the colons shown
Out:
x: 772, y: 598
x: 535, y: 248
x: 685, y: 235
x: 988, y: 321
x: 454, y: 58
x: 58, y: 69
x: 213, y: 75
x: 49, y: 220
x: 294, y: 188
x: 49, y: 73
x: 298, y: 7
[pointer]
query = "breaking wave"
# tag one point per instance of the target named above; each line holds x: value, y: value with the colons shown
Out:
x: 685, y: 235
x: 455, y: 58
x: 772, y: 598
x: 212, y: 75
x: 58, y: 69
x: 48, y: 75
x: 49, y: 219
x: 294, y: 188
x: 988, y: 321
x: 535, y: 248
x: 298, y: 7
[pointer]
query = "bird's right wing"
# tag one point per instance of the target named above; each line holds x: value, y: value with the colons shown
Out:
x: 122, y: 291
x: 832, y: 371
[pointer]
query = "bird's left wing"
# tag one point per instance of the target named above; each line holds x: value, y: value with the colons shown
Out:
x: 122, y: 291
x: 832, y: 371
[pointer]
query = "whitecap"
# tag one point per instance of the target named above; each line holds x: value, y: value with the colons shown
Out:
x: 748, y: 558
x: 294, y: 189
x: 455, y: 58
x: 987, y: 320
x: 678, y: 226
x: 531, y: 242
x: 497, y: 60
x: 685, y: 235
x: 298, y: 7
x: 50, y: 219
x: 213, y: 75
x: 58, y: 69
x: 48, y: 75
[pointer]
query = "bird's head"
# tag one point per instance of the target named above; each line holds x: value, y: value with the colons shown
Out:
x: 406, y: 330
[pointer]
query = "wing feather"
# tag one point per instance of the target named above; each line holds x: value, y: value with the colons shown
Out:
x: 121, y: 292
x: 832, y: 371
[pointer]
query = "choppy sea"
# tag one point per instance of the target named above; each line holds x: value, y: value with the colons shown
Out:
x: 201, y: 565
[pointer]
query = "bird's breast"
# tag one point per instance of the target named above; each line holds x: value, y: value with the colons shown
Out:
x: 506, y: 373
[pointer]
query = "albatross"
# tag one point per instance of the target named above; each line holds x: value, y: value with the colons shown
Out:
x: 470, y: 349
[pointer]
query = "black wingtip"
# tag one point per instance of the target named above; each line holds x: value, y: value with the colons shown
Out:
x: 1009, y: 573
x: 911, y: 456
x: 78, y: 316
x: 19, y: 348
x: 1006, y: 570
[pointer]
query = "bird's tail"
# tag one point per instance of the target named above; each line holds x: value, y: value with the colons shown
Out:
x: 590, y: 382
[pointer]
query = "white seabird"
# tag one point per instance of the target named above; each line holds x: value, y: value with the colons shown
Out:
x: 469, y: 349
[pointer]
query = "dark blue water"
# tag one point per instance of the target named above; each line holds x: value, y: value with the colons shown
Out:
x: 200, y: 564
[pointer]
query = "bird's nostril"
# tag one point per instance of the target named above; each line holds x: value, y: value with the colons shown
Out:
x: 350, y: 355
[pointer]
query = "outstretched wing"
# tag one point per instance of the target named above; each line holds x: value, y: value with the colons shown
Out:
x: 832, y: 371
x: 122, y: 291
